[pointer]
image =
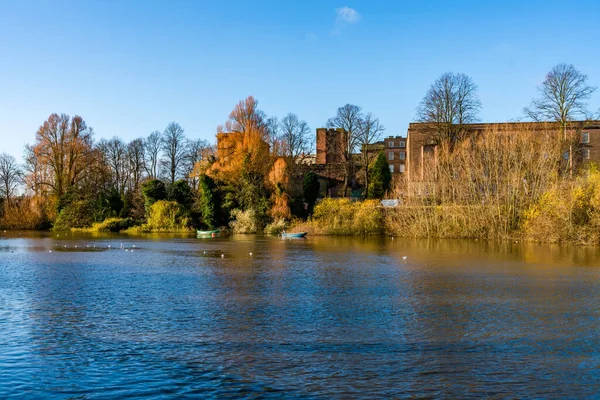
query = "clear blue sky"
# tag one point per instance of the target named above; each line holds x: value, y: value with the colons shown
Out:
x: 130, y: 67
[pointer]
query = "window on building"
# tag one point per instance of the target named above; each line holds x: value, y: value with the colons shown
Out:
x: 390, y: 144
x: 392, y: 169
x: 402, y: 168
x: 391, y: 155
x: 586, y: 154
x: 403, y: 144
x: 403, y: 155
x: 585, y: 137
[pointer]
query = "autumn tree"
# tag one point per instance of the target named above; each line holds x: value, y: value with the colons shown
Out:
x: 174, y: 147
x: 348, y: 119
x: 10, y: 176
x: 369, y: 132
x: 296, y: 138
x: 449, y: 104
x: 152, y: 148
x: 243, y: 161
x: 63, y: 151
x: 243, y: 142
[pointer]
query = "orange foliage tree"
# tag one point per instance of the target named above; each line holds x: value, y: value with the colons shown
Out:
x: 61, y: 155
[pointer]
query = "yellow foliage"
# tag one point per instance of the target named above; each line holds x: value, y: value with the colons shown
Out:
x: 344, y: 217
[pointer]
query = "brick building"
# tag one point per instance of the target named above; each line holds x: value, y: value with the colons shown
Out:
x: 422, y: 145
x: 330, y: 145
x: 395, y: 151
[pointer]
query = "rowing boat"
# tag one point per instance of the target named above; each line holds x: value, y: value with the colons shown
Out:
x: 294, y: 235
x: 208, y: 233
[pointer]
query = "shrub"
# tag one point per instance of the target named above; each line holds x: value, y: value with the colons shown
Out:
x: 276, y: 227
x: 245, y: 221
x: 165, y: 216
x: 343, y: 217
x: 77, y: 214
x: 113, y: 225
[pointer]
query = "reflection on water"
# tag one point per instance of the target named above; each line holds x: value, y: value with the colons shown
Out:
x: 115, y: 316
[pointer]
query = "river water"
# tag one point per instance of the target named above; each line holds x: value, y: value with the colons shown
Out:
x: 263, y: 317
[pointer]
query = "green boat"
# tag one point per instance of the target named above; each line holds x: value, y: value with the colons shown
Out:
x: 214, y: 232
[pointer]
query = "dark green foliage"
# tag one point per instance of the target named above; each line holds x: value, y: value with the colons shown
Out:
x: 181, y: 192
x: 381, y: 178
x: 297, y: 208
x: 208, y: 201
x: 78, y: 214
x: 153, y: 191
x: 133, y: 206
x: 311, y: 189
x: 109, y: 205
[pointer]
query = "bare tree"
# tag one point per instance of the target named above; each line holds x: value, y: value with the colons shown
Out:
x: 562, y: 96
x: 136, y: 162
x: 273, y: 136
x: 348, y: 118
x: 450, y: 102
x: 115, y: 156
x: 196, y: 152
x: 562, y: 99
x: 370, y: 130
x: 152, y: 147
x: 295, y: 136
x: 174, y: 147
x: 10, y: 176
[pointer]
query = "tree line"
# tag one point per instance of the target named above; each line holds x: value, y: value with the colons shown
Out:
x: 255, y: 178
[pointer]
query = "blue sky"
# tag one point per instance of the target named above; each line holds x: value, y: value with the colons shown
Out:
x: 130, y: 67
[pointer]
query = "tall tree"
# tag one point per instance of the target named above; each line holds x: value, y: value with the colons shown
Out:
x: 369, y: 132
x: 197, y: 150
x: 243, y: 142
x: 561, y: 99
x: 295, y: 136
x: 114, y: 152
x: 273, y: 136
x: 10, y: 176
x: 63, y: 148
x: 348, y: 118
x: 174, y: 147
x: 152, y: 147
x: 562, y: 96
x: 381, y: 178
x: 450, y: 102
x: 136, y: 162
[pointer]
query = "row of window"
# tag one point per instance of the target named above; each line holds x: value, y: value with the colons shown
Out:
x: 401, y: 168
x: 402, y: 155
x: 402, y: 143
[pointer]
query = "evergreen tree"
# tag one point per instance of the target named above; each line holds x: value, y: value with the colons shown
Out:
x: 380, y: 177
x: 181, y: 192
x: 311, y: 188
x: 208, y: 201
